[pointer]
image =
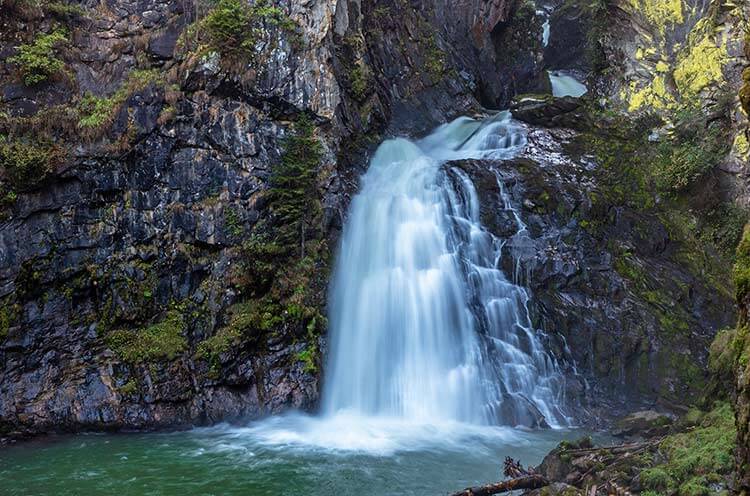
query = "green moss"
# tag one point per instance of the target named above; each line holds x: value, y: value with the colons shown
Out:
x: 37, y: 61
x: 627, y: 267
x: 63, y: 11
x: 129, y: 387
x: 243, y: 318
x: 5, y: 321
x: 695, y: 458
x: 160, y: 341
x: 656, y: 478
x: 741, y: 271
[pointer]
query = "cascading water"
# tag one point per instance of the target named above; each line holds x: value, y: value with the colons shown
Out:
x: 424, y: 325
x: 565, y: 85
x: 433, y: 358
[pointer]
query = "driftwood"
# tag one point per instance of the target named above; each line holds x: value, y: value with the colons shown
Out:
x: 522, y: 478
x: 528, y: 482
x: 598, y: 460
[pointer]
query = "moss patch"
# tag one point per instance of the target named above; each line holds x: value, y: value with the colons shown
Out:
x: 697, y: 458
x: 701, y: 66
x: 160, y: 341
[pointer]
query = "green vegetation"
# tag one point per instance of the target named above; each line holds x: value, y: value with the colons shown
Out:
x: 741, y: 272
x: 96, y: 113
x: 244, y: 318
x: 129, y: 387
x: 360, y: 81
x: 5, y: 321
x: 745, y: 88
x: 293, y: 192
x: 233, y: 27
x: 162, y: 340
x: 37, y: 61
x: 285, y: 259
x: 233, y: 222
x: 696, y: 458
x: 308, y: 357
x: 26, y: 163
x: 435, y: 58
x: 695, y: 147
x: 62, y: 10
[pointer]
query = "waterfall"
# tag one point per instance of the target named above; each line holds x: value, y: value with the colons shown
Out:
x: 424, y: 325
x: 564, y: 85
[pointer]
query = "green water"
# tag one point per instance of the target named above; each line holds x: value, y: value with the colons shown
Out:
x: 290, y: 455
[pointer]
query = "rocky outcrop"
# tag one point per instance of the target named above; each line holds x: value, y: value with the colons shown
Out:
x: 610, y: 272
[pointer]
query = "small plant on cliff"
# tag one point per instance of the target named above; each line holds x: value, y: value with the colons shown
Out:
x: 37, y: 61
x: 97, y: 112
x: 294, y: 194
x: 233, y: 27
x: 24, y: 164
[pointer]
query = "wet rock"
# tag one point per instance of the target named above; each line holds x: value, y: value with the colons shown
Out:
x: 646, y: 423
x: 549, y: 111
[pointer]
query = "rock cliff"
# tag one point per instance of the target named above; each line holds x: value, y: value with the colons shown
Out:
x: 173, y: 177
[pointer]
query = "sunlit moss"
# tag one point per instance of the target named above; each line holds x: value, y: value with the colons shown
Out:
x: 700, y: 67
x: 741, y: 146
x: 654, y: 95
x: 660, y: 12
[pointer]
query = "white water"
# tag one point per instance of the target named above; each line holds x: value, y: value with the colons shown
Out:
x: 544, y: 12
x: 425, y: 328
x: 564, y: 85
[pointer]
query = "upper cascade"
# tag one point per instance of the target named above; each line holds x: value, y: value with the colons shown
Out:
x: 424, y: 324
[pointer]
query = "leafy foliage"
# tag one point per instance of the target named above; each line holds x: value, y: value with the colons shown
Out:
x: 37, y: 61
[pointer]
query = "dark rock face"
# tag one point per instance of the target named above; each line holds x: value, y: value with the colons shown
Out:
x: 549, y: 111
x: 614, y: 300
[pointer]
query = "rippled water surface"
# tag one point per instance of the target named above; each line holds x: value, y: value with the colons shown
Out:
x: 289, y: 455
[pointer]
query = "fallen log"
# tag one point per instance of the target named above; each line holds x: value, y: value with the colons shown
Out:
x: 533, y: 481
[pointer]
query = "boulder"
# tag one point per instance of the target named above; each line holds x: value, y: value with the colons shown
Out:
x: 549, y: 111
x: 646, y: 423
